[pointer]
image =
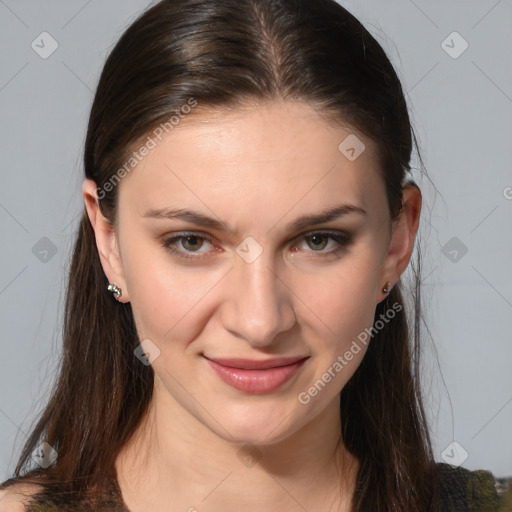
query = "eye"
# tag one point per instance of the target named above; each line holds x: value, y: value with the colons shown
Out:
x: 319, y: 241
x: 190, y: 242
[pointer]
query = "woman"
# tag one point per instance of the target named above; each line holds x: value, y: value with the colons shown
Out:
x: 248, y: 206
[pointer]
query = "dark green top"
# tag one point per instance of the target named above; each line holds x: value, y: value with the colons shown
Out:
x: 462, y: 490
x: 468, y: 491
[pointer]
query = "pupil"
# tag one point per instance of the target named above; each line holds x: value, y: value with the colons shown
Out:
x: 317, y: 238
x: 193, y: 238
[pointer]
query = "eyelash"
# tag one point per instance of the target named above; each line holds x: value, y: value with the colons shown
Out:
x: 343, y: 239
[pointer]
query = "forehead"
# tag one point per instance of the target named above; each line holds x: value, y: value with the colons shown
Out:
x: 272, y: 152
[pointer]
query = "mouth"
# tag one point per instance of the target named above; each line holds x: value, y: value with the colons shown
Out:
x: 256, y: 377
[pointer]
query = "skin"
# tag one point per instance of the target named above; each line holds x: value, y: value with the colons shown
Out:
x: 256, y: 169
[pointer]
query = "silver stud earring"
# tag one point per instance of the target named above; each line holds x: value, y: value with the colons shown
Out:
x: 387, y: 288
x: 114, y: 289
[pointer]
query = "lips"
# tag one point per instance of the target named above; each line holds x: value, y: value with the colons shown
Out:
x: 253, y: 364
x: 261, y: 377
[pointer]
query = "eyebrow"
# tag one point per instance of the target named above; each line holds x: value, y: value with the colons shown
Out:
x: 302, y: 222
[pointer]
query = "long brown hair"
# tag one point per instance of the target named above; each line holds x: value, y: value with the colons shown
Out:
x: 223, y: 54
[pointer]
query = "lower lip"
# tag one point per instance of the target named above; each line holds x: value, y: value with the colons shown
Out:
x: 256, y: 381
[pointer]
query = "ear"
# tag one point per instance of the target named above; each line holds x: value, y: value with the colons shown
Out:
x: 106, y: 240
x: 402, y: 238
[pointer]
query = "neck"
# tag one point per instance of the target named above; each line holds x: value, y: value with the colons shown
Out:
x: 174, y: 462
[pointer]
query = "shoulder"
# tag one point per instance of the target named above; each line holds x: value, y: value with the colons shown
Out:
x: 464, y: 490
x: 15, y: 497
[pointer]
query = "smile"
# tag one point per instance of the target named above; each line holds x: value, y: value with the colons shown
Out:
x: 256, y: 380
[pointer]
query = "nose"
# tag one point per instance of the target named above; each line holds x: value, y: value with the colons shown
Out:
x: 260, y: 305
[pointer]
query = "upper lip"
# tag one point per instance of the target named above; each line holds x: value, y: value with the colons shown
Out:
x: 253, y: 364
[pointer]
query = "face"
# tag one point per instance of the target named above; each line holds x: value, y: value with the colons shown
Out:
x: 252, y: 282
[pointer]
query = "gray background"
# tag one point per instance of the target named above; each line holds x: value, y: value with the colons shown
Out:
x: 461, y: 109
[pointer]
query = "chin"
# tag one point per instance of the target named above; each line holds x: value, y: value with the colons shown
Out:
x: 256, y: 426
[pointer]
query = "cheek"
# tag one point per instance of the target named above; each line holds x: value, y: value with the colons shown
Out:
x: 168, y: 300
x: 341, y: 302
x: 338, y: 334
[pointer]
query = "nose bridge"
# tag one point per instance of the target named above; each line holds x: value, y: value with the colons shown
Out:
x: 261, y: 305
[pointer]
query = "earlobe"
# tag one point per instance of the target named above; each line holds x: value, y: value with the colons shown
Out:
x: 106, y: 240
x: 404, y: 232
